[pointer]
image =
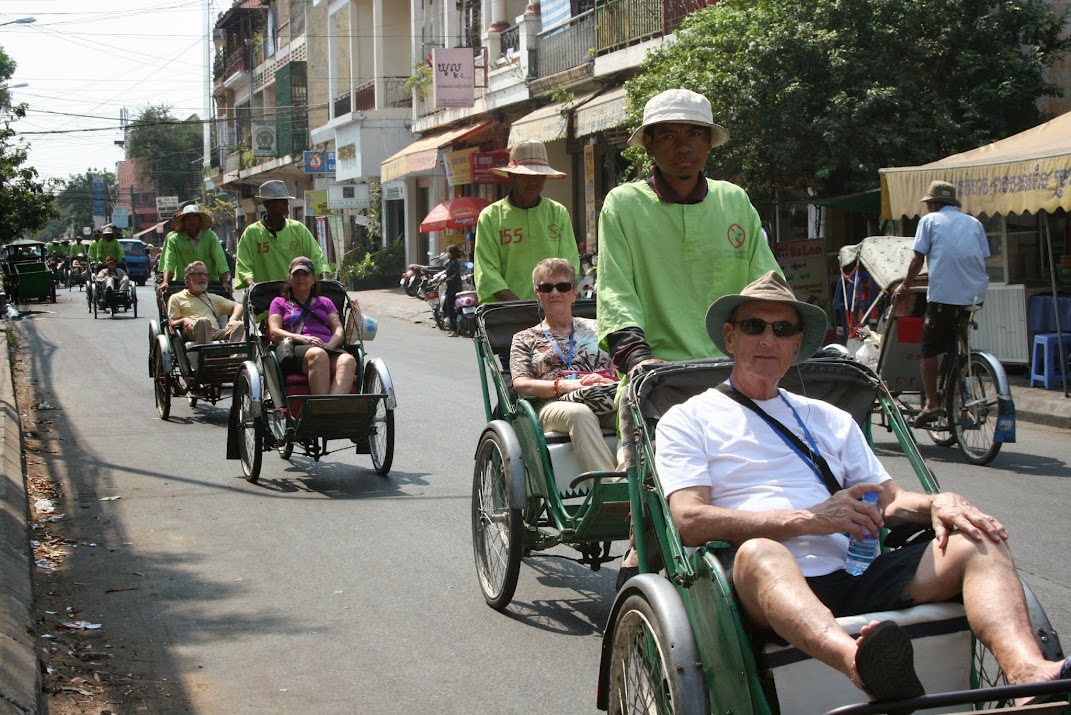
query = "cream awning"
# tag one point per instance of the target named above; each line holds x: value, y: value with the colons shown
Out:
x: 423, y: 154
x: 546, y: 124
x: 607, y: 111
x: 1025, y: 173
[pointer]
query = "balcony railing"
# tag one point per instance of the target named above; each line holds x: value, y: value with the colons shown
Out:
x: 342, y: 104
x: 237, y: 60
x: 232, y: 162
x: 676, y: 10
x: 364, y: 97
x: 567, y: 46
x: 621, y: 23
x: 511, y: 40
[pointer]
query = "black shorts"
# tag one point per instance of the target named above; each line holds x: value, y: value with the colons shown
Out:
x: 296, y: 364
x: 879, y: 588
x: 939, y: 328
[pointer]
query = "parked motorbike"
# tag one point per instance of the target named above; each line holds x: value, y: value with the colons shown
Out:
x: 432, y: 290
x: 586, y: 283
x: 412, y: 278
x: 465, y: 306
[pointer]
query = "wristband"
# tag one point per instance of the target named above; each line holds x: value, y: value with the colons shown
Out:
x: 556, y: 393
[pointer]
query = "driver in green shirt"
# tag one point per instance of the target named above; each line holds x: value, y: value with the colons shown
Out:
x: 267, y: 246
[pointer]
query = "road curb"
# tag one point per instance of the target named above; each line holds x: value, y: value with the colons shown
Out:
x: 20, y: 676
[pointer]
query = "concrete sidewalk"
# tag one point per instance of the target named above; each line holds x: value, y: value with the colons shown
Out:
x: 1033, y: 405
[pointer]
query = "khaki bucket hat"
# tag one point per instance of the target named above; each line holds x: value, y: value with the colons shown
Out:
x: 942, y: 192
x: 529, y: 158
x: 771, y: 288
x: 191, y: 210
x: 682, y: 106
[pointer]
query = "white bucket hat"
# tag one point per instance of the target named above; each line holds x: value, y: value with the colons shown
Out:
x: 529, y: 157
x: 682, y: 106
x: 271, y: 190
x: 191, y: 210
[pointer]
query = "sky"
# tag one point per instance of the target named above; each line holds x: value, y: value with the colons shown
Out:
x: 84, y: 60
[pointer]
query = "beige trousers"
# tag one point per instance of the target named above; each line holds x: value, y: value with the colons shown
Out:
x: 585, y: 432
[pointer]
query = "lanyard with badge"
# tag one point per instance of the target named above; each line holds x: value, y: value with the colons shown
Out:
x: 572, y: 344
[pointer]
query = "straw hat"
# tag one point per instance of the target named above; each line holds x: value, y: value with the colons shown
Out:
x: 682, y: 106
x: 772, y: 288
x: 272, y: 190
x: 529, y: 158
x: 941, y: 192
x: 191, y: 210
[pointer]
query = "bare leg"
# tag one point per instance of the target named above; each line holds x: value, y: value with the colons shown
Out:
x: 775, y: 594
x: 318, y: 370
x: 993, y: 598
x: 929, y: 383
x: 344, y: 368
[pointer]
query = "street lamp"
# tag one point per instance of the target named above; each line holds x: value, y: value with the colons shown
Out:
x: 20, y: 21
x: 5, y: 87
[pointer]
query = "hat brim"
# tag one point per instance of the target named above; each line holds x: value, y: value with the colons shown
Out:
x: 940, y: 200
x: 262, y: 199
x: 718, y: 134
x: 814, y: 321
x: 206, y: 220
x: 529, y: 171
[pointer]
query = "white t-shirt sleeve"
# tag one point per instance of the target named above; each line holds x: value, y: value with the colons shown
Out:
x: 680, y: 458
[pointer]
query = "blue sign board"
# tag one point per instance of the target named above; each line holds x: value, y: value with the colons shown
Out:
x: 319, y: 162
x: 98, y: 196
x: 120, y: 217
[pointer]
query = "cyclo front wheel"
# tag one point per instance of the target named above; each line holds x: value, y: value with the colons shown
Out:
x: 642, y: 680
x: 973, y: 410
x: 497, y: 529
x: 381, y: 439
x: 251, y: 431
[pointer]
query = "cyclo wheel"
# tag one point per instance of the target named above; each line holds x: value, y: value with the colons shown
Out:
x: 497, y: 529
x: 641, y: 679
x: 973, y: 410
x: 251, y: 439
x: 162, y: 385
x: 381, y: 441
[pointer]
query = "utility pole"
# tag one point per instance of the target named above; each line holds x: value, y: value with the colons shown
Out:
x: 207, y: 124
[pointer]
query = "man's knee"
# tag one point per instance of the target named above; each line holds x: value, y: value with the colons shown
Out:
x: 757, y: 558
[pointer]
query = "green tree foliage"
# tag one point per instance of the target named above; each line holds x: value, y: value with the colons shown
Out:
x: 24, y: 203
x: 74, y: 203
x: 170, y: 151
x: 821, y: 94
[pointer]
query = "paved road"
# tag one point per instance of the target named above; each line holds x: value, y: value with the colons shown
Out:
x: 326, y: 588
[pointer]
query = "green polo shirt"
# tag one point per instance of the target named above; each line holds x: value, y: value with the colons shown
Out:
x: 265, y: 256
x: 662, y: 264
x: 510, y: 241
x: 110, y: 247
x: 180, y: 251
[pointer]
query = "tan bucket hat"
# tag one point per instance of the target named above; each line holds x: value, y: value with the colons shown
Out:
x: 942, y: 192
x: 529, y: 157
x: 682, y: 106
x: 191, y: 210
x: 772, y: 288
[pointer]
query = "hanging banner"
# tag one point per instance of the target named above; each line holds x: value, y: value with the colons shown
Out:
x: 481, y: 164
x: 589, y: 196
x: 348, y: 196
x: 458, y: 167
x: 453, y: 75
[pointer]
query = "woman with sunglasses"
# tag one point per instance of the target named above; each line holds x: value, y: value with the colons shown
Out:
x: 311, y: 321
x: 558, y: 356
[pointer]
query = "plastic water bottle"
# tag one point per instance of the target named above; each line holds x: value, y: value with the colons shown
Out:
x: 862, y: 551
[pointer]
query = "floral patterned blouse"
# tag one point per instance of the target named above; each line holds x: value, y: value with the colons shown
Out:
x: 532, y: 355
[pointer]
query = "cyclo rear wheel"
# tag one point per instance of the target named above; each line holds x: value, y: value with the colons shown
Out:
x: 162, y: 385
x: 251, y: 436
x: 973, y: 410
x: 497, y: 529
x: 381, y: 440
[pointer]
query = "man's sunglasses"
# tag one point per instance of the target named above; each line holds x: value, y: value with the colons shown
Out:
x: 757, y: 326
x: 550, y: 287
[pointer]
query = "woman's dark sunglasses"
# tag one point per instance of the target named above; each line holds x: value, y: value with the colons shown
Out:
x: 549, y: 287
x: 757, y: 326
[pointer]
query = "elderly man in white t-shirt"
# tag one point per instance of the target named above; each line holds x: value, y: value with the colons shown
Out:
x: 730, y: 475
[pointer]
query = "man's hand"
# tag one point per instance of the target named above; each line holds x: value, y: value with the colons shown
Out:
x: 594, y: 378
x: 845, y: 513
x: 636, y: 368
x: 162, y: 287
x: 950, y: 510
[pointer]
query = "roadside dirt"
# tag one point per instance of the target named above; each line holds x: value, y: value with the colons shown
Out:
x: 89, y: 669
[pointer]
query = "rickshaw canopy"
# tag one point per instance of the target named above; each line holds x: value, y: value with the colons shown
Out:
x: 885, y: 258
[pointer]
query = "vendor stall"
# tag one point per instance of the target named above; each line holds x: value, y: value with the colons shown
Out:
x: 1024, y: 179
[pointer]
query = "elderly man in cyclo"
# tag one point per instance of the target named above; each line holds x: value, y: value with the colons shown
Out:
x: 192, y: 239
x: 732, y: 473
x: 199, y: 314
x: 267, y: 247
x: 112, y: 278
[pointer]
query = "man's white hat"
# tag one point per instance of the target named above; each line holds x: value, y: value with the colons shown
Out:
x: 529, y: 158
x: 191, y: 210
x: 271, y: 190
x: 684, y: 107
